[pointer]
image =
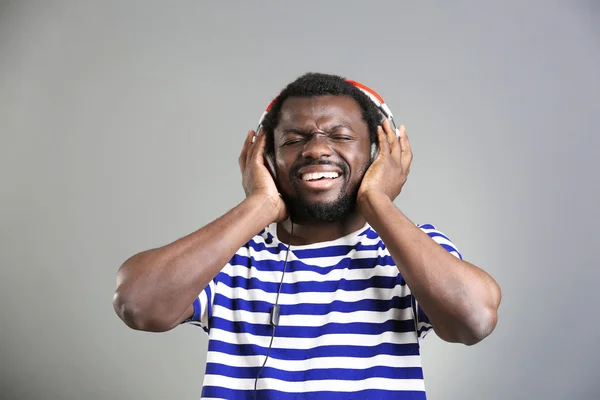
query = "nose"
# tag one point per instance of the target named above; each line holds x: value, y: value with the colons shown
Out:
x: 318, y: 146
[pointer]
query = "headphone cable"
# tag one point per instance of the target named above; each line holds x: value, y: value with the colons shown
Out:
x: 275, y: 311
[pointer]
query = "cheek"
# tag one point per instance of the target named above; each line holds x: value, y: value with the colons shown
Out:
x: 283, y: 161
x: 359, y: 167
x: 282, y: 167
x: 357, y: 177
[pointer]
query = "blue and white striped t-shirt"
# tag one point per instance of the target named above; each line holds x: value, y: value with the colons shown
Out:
x: 346, y: 331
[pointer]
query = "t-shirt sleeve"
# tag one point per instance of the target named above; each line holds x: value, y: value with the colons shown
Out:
x: 205, y: 302
x: 203, y: 306
x: 423, y: 323
x: 441, y: 239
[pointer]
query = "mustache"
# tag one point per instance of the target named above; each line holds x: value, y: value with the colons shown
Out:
x: 301, y: 164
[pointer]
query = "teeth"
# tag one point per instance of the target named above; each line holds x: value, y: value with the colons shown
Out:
x: 319, y: 175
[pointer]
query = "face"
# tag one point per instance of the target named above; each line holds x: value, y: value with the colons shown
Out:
x: 322, y: 151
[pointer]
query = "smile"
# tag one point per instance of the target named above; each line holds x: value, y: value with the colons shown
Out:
x: 320, y: 181
x: 319, y: 175
x: 319, y: 178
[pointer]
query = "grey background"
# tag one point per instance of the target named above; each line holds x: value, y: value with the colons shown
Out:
x: 121, y: 123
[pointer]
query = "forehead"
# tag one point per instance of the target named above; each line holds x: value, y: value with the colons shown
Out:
x: 308, y: 112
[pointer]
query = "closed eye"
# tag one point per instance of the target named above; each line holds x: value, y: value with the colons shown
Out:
x: 293, y: 140
x: 338, y: 138
x: 341, y: 137
x: 336, y: 133
x: 290, y: 142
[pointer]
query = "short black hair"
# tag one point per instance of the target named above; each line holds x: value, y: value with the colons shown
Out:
x: 315, y: 84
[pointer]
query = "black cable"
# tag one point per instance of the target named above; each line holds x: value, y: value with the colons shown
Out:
x: 415, y: 307
x: 275, y: 311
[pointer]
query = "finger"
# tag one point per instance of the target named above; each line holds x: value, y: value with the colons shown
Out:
x: 244, y: 152
x: 391, y: 137
x: 245, y: 148
x: 406, y: 150
x: 388, y: 130
x: 384, y: 145
x: 257, y: 133
x: 261, y: 148
x: 257, y: 150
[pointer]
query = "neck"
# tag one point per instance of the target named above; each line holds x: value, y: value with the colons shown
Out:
x: 316, y: 232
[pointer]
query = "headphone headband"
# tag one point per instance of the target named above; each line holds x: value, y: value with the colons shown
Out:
x: 370, y: 93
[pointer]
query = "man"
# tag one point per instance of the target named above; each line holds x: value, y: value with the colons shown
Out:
x: 315, y: 285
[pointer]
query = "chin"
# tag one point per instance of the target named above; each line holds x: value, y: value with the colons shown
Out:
x: 321, y: 199
x: 307, y: 210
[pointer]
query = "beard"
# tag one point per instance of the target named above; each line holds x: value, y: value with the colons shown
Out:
x: 302, y: 210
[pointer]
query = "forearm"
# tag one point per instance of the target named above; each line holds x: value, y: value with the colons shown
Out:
x: 460, y: 299
x: 157, y: 286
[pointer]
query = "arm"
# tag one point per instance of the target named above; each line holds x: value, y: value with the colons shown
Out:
x: 460, y: 299
x: 156, y: 288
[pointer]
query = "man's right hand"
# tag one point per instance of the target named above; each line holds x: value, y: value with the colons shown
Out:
x: 256, y: 178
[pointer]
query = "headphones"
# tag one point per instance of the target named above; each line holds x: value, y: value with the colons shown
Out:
x: 385, y: 111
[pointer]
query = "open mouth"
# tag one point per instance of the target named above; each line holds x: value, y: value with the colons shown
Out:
x: 320, y: 180
x: 314, y: 176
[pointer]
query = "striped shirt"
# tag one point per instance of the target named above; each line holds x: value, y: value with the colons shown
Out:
x: 348, y: 325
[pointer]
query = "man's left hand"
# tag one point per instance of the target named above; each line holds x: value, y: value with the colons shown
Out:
x: 388, y: 173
